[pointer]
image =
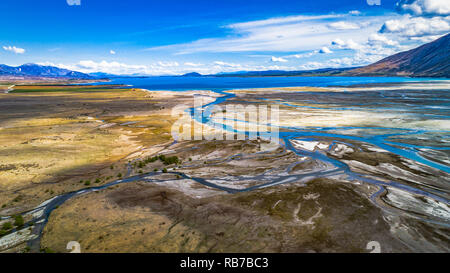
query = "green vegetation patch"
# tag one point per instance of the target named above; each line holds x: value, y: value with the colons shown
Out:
x: 18, y: 221
x: 167, y: 160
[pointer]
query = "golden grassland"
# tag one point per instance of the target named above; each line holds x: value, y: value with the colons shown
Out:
x: 62, y: 88
x: 144, y: 217
x: 44, y: 81
x: 54, y: 141
x: 101, y: 225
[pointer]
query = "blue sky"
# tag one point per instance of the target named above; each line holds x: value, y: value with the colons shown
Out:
x: 175, y: 37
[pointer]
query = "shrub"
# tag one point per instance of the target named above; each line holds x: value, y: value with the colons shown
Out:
x: 151, y: 159
x: 97, y: 180
x: 7, y: 226
x: 155, y: 170
x: 167, y: 160
x: 18, y: 220
x: 170, y: 160
x: 87, y: 183
x: 164, y: 170
x: 47, y: 250
x: 119, y: 175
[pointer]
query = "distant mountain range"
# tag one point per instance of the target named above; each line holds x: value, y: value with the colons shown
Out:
x: 277, y: 73
x: 192, y: 74
x: 428, y: 60
x: 40, y: 71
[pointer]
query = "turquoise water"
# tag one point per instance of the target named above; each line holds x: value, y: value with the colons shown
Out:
x: 222, y: 83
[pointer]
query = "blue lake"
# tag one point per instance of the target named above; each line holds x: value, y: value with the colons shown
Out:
x: 222, y: 83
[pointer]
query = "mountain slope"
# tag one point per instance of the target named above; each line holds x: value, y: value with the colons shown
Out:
x: 34, y: 70
x: 192, y: 74
x: 428, y: 60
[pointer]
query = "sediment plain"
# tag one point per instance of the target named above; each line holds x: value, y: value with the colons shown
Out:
x: 330, y: 184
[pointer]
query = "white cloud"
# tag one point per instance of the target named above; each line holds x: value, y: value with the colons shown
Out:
x: 193, y: 64
x: 325, y: 50
x: 226, y: 64
x: 224, y: 67
x: 168, y: 64
x: 303, y: 55
x: 285, y: 34
x: 349, y: 44
x: 281, y: 21
x: 360, y: 58
x: 354, y: 12
x: 56, y: 65
x: 352, y: 44
x: 342, y: 25
x: 425, y: 7
x: 338, y: 42
x: 426, y: 39
x: 280, y: 59
x: 312, y: 66
x: 376, y: 47
x: 14, y: 49
x: 112, y: 52
x: 89, y: 66
x: 342, y: 62
x: 332, y: 63
x: 409, y: 26
x: 378, y: 38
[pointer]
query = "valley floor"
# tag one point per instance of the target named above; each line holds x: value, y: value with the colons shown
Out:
x: 89, y: 152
